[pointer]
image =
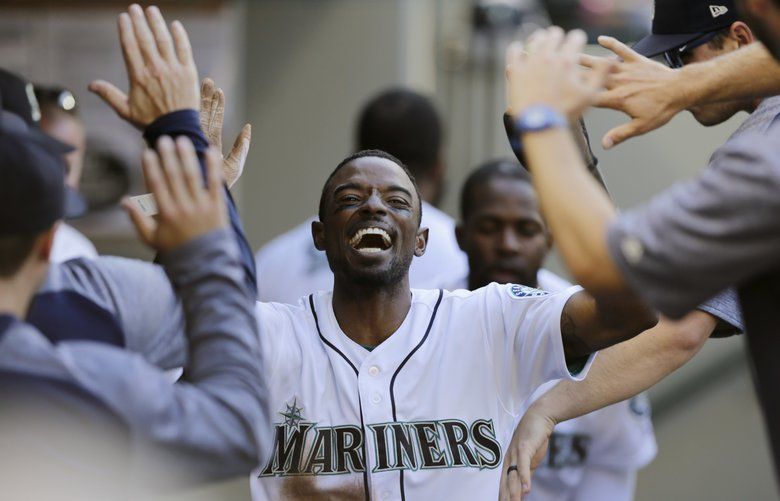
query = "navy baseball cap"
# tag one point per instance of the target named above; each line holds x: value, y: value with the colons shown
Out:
x: 32, y: 177
x: 18, y: 98
x: 680, y: 22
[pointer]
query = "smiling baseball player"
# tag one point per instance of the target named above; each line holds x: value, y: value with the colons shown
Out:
x: 378, y: 391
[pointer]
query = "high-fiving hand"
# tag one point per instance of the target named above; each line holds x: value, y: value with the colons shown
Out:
x: 212, y: 113
x: 186, y: 210
x: 643, y: 89
x: 545, y: 71
x: 160, y: 67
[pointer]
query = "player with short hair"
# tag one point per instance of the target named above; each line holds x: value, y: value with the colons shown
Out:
x: 407, y: 125
x: 506, y: 239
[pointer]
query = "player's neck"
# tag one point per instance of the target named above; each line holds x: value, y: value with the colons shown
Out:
x: 15, y: 296
x: 369, y: 316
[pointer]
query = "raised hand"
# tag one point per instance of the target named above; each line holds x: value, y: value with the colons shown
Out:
x: 161, y: 70
x: 212, y: 112
x: 186, y: 210
x: 545, y: 71
x: 643, y: 89
x: 526, y: 450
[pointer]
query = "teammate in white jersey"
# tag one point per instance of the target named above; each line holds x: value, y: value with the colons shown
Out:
x: 406, y: 125
x: 383, y: 392
x: 506, y: 240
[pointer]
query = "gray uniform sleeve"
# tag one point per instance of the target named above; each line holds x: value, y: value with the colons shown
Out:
x: 138, y: 294
x: 707, y: 234
x: 211, y: 424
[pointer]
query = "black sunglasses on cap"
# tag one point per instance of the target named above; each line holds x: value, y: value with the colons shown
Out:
x: 675, y: 58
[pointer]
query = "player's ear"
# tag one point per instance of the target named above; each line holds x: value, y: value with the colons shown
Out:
x: 318, y: 234
x: 460, y: 236
x: 421, y: 242
x: 45, y: 243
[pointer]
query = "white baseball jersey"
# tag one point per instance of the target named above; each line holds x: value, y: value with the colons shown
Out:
x: 290, y: 267
x: 425, y: 415
x: 596, y: 456
x: 69, y: 244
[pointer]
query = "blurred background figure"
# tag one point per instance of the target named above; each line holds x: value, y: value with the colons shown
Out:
x: 406, y: 125
x: 60, y: 120
x: 53, y: 118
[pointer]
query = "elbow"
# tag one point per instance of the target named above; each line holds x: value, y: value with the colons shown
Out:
x: 687, y: 336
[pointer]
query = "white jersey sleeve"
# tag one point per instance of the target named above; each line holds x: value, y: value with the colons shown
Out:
x: 523, y: 327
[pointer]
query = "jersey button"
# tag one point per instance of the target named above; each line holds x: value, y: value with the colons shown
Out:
x: 376, y: 398
x: 373, y: 370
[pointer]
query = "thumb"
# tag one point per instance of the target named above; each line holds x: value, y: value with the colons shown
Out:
x: 622, y: 50
x: 524, y: 470
x: 114, y: 97
x: 234, y: 163
x: 621, y: 133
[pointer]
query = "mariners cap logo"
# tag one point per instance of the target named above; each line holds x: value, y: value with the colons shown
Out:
x: 718, y: 10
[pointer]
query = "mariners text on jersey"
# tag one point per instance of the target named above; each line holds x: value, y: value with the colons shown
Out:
x: 302, y: 447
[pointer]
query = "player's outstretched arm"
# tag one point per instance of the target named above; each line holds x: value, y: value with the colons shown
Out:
x: 209, y: 426
x: 545, y: 71
x: 651, y: 94
x: 619, y: 373
x: 164, y: 95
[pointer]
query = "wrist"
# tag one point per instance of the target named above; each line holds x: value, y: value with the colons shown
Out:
x: 539, y: 118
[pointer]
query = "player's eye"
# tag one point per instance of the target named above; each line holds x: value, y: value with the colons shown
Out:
x: 398, y: 202
x: 349, y: 199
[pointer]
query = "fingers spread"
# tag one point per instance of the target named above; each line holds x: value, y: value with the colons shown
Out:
x: 131, y: 52
x: 172, y: 170
x: 161, y: 34
x: 620, y: 134
x: 622, y: 50
x: 156, y: 183
x: 182, y: 42
x: 144, y: 36
x: 193, y: 179
x: 112, y: 96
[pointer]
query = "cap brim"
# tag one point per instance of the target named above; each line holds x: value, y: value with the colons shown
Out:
x: 75, y: 205
x: 654, y: 45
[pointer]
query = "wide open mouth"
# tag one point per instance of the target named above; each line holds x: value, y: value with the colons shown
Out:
x: 371, y: 240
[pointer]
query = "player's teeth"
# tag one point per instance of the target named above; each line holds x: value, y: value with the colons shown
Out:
x: 370, y: 250
x: 370, y: 231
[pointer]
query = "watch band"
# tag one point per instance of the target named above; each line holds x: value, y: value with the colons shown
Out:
x: 539, y: 117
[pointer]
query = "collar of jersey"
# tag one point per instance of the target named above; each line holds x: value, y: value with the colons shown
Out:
x: 391, y: 352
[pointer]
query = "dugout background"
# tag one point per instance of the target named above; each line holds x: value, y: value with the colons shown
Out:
x: 299, y: 70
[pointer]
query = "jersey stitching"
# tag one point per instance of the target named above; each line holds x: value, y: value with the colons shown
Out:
x: 360, y: 404
x: 398, y: 370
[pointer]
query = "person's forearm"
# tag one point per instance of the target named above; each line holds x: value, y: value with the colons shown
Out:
x: 749, y: 73
x: 629, y: 368
x: 575, y: 206
x: 187, y: 123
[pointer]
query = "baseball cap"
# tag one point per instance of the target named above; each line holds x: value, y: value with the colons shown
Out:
x: 32, y: 177
x: 680, y: 22
x: 18, y: 98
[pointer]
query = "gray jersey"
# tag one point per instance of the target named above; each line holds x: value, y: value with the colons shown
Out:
x: 717, y: 230
x: 211, y: 423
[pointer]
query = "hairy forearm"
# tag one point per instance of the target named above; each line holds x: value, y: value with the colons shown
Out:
x: 629, y: 368
x: 748, y: 73
x: 576, y: 208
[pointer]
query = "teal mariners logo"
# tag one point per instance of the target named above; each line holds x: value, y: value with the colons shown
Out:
x: 521, y: 291
x: 303, y: 448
